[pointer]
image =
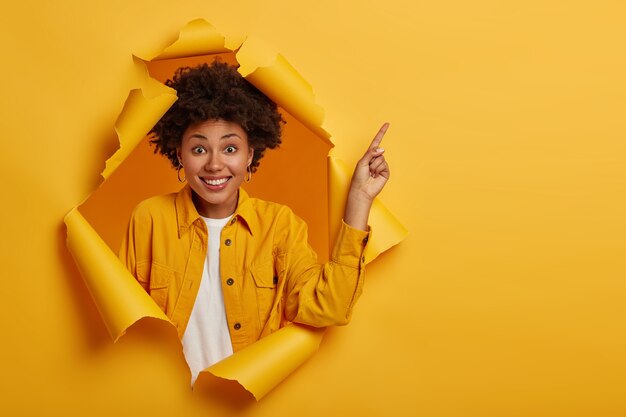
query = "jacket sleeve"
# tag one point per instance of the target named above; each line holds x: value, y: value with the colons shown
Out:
x: 130, y: 248
x: 322, y: 294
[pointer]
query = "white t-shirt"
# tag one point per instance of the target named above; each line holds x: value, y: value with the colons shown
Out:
x: 206, y: 339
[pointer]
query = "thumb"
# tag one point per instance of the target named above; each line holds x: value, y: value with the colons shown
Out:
x: 371, y: 153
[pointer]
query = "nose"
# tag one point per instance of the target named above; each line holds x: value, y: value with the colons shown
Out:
x: 214, y: 162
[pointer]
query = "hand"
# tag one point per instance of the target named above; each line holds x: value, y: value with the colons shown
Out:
x: 371, y: 172
x: 369, y: 178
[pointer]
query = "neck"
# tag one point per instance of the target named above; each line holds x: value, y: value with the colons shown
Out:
x: 214, y: 211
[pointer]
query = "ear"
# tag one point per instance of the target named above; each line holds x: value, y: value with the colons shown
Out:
x: 250, y: 155
x: 179, y: 156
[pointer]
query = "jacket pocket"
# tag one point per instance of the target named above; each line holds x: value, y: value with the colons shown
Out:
x: 266, y: 283
x: 142, y: 275
x: 157, y: 281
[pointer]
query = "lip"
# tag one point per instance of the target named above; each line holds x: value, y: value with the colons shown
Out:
x: 217, y: 187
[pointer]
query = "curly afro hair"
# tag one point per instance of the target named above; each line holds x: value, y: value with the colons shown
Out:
x: 213, y: 92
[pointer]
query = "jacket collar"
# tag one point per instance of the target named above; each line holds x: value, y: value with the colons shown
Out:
x: 187, y: 215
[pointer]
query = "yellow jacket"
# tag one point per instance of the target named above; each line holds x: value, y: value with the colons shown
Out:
x: 270, y: 275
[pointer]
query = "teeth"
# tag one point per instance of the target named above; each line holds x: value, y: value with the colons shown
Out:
x: 215, y: 182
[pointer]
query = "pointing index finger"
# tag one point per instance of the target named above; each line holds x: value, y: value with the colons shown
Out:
x: 379, y: 136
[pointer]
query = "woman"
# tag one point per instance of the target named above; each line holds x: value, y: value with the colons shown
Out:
x: 228, y: 269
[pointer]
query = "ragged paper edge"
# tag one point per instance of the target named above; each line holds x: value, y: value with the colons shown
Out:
x: 118, y: 296
x: 120, y: 299
x: 275, y: 357
x: 196, y: 38
x: 271, y: 73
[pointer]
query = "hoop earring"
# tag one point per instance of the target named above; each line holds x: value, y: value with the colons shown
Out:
x: 249, y: 176
x: 178, y: 173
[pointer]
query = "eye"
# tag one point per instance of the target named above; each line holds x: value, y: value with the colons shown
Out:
x: 230, y: 149
x: 198, y: 149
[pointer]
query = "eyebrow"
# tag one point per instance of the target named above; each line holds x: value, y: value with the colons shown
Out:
x: 226, y: 136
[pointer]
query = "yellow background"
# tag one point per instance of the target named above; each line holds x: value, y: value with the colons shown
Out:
x: 508, y: 162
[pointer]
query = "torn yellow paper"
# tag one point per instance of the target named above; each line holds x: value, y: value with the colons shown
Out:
x: 121, y: 300
x: 387, y: 231
x: 138, y: 116
x: 276, y: 78
x: 117, y: 294
x: 262, y: 366
x: 197, y: 37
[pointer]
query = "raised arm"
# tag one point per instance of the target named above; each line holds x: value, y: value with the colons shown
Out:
x: 323, y: 295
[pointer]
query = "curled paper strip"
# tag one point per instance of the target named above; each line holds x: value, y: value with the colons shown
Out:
x: 118, y: 296
x: 282, y: 83
x: 263, y: 365
x: 197, y: 37
x: 140, y: 113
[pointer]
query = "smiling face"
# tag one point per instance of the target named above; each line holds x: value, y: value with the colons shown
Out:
x: 215, y: 155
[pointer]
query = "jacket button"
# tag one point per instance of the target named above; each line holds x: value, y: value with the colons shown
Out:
x: 275, y: 280
x: 227, y: 242
x: 365, y: 240
x: 237, y: 326
x: 233, y: 220
x: 230, y: 281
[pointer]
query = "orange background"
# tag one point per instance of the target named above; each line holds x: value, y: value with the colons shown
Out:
x: 508, y: 167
